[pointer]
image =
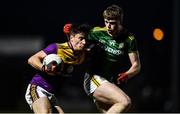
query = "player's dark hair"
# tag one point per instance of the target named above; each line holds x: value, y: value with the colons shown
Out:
x: 80, y: 28
x: 113, y: 12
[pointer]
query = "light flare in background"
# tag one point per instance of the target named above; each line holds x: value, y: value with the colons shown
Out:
x: 20, y: 45
x: 158, y: 34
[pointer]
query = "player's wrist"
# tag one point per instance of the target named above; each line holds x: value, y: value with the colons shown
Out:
x: 122, y: 78
x: 125, y: 75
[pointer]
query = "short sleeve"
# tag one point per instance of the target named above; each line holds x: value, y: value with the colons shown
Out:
x: 96, y: 33
x: 132, y: 44
x: 51, y: 49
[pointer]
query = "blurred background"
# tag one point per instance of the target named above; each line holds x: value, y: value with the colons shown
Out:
x: 26, y: 26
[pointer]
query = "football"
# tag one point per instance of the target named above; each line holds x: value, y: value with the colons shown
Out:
x: 51, y: 58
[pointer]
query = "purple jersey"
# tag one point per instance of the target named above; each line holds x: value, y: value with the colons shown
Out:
x: 38, y: 78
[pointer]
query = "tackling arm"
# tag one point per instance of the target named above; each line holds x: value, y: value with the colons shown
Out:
x: 135, y: 64
x: 133, y: 70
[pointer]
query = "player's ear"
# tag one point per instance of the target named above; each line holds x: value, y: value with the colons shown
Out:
x: 70, y: 37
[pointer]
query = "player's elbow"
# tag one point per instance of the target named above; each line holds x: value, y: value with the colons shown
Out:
x: 30, y: 60
x: 137, y: 68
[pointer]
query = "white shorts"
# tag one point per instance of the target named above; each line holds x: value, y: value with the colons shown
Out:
x: 91, y: 83
x: 34, y: 92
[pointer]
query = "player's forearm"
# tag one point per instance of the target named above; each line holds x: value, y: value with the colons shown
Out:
x: 134, y: 69
x: 35, y: 62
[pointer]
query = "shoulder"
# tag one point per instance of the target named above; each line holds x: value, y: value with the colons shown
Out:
x: 51, y: 48
x: 99, y: 29
x: 128, y: 35
x: 131, y: 36
x: 62, y: 45
x: 52, y: 45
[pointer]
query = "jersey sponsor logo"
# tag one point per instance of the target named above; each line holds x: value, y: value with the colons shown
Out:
x: 112, y: 42
x: 121, y: 45
x: 113, y: 51
x: 102, y: 41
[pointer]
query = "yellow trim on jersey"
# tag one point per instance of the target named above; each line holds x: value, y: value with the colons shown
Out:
x: 99, y: 29
x: 68, y: 56
x: 131, y: 37
x: 95, y: 82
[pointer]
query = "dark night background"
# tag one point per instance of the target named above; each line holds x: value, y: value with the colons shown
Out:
x: 26, y: 26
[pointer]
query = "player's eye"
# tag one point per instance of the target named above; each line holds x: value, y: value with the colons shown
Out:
x: 106, y: 21
x: 112, y: 23
x: 81, y: 38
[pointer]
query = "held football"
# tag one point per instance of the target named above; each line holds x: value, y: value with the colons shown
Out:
x: 52, y: 58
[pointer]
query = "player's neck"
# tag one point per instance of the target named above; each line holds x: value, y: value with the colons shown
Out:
x: 70, y: 45
x: 119, y: 31
x: 76, y: 52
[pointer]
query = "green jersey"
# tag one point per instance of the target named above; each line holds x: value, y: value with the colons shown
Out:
x: 111, y: 55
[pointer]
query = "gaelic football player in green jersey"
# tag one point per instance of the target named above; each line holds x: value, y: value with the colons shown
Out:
x: 113, y: 46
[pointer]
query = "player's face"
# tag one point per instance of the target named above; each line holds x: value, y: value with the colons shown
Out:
x: 78, y: 41
x: 112, y: 25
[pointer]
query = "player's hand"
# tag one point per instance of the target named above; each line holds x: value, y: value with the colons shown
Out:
x: 122, y: 78
x: 67, y: 28
x: 51, y: 68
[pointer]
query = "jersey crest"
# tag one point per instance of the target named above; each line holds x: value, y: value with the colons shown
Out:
x: 121, y: 45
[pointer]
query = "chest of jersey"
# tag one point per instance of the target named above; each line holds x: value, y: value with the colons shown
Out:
x: 70, y: 60
x: 111, y: 46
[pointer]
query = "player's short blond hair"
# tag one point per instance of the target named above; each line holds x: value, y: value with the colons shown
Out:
x: 113, y: 12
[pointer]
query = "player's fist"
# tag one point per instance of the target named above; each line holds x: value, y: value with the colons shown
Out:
x: 52, y: 63
x: 122, y: 78
x: 67, y: 28
x: 50, y: 68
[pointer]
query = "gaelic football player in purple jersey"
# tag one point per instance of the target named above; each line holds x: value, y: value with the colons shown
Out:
x: 40, y: 91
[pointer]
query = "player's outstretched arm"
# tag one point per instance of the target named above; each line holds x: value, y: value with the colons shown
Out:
x: 134, y: 69
x: 135, y: 64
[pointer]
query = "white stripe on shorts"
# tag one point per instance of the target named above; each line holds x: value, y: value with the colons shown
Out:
x: 91, y: 83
